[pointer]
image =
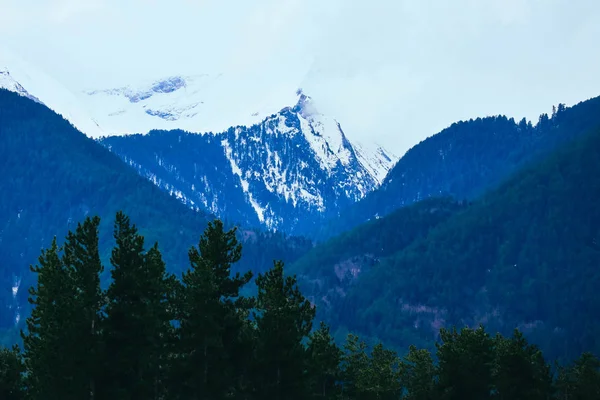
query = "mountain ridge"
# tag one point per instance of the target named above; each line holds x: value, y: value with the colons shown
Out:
x: 54, y: 176
x: 326, y: 173
x: 467, y: 159
x: 293, y: 169
x: 522, y: 255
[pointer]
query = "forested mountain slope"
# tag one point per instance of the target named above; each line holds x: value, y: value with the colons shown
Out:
x: 467, y: 159
x: 154, y: 335
x: 330, y: 268
x: 526, y: 254
x: 52, y: 176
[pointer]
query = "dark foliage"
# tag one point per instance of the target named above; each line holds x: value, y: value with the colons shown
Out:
x: 53, y: 176
x: 524, y: 255
x: 12, y: 370
x: 214, y: 349
x: 468, y: 158
x: 328, y: 270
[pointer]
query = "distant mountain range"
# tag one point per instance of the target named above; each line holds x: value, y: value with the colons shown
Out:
x: 466, y: 159
x: 490, y: 221
x: 287, y: 171
x: 523, y: 253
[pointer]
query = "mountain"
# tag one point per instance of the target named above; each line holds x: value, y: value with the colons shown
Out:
x: 53, y: 176
x: 196, y: 103
x: 287, y: 173
x: 329, y: 269
x: 8, y: 82
x: 467, y: 159
x: 525, y: 255
x: 27, y: 80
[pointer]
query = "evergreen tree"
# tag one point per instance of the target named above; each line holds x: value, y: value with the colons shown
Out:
x: 217, y: 351
x: 383, y: 374
x: 137, y: 325
x: 11, y: 374
x: 520, y: 371
x: 465, y: 364
x: 324, y: 358
x: 418, y: 374
x: 581, y: 380
x: 212, y: 318
x: 47, y: 343
x: 355, y: 363
x: 283, y: 320
x: 159, y: 291
x: 82, y: 260
x: 369, y: 377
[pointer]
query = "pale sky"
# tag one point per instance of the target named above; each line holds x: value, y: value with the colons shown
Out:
x: 392, y: 71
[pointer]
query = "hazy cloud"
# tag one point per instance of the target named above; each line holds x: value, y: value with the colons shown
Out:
x: 395, y: 71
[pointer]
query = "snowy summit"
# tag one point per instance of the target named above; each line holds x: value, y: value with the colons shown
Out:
x: 290, y: 166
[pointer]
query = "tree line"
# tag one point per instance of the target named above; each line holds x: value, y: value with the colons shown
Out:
x: 151, y: 335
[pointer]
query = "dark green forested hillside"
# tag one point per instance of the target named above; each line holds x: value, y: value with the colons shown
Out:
x: 467, y: 159
x: 53, y: 176
x: 153, y: 335
x: 524, y: 255
x: 330, y: 268
x: 378, y: 238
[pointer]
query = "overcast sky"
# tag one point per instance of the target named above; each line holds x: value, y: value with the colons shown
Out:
x: 394, y: 71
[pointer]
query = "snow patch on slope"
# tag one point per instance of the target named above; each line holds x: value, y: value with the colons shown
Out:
x: 260, y: 212
x: 331, y: 145
x: 375, y: 159
x: 234, y: 167
x: 324, y: 134
x: 278, y: 179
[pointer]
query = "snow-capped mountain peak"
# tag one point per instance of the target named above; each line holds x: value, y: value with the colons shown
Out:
x: 286, y: 172
x: 283, y: 169
x: 23, y: 78
x: 331, y: 144
x: 9, y: 83
x: 324, y: 134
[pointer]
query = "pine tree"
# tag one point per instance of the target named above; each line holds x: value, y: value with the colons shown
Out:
x: 82, y: 260
x: 137, y: 324
x: 47, y: 342
x: 11, y: 374
x: 383, y: 374
x: 212, y: 359
x: 581, y: 380
x: 159, y: 292
x: 355, y: 364
x: 324, y: 358
x: 465, y: 364
x: 520, y: 371
x: 284, y: 320
x: 418, y: 374
x: 370, y: 377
